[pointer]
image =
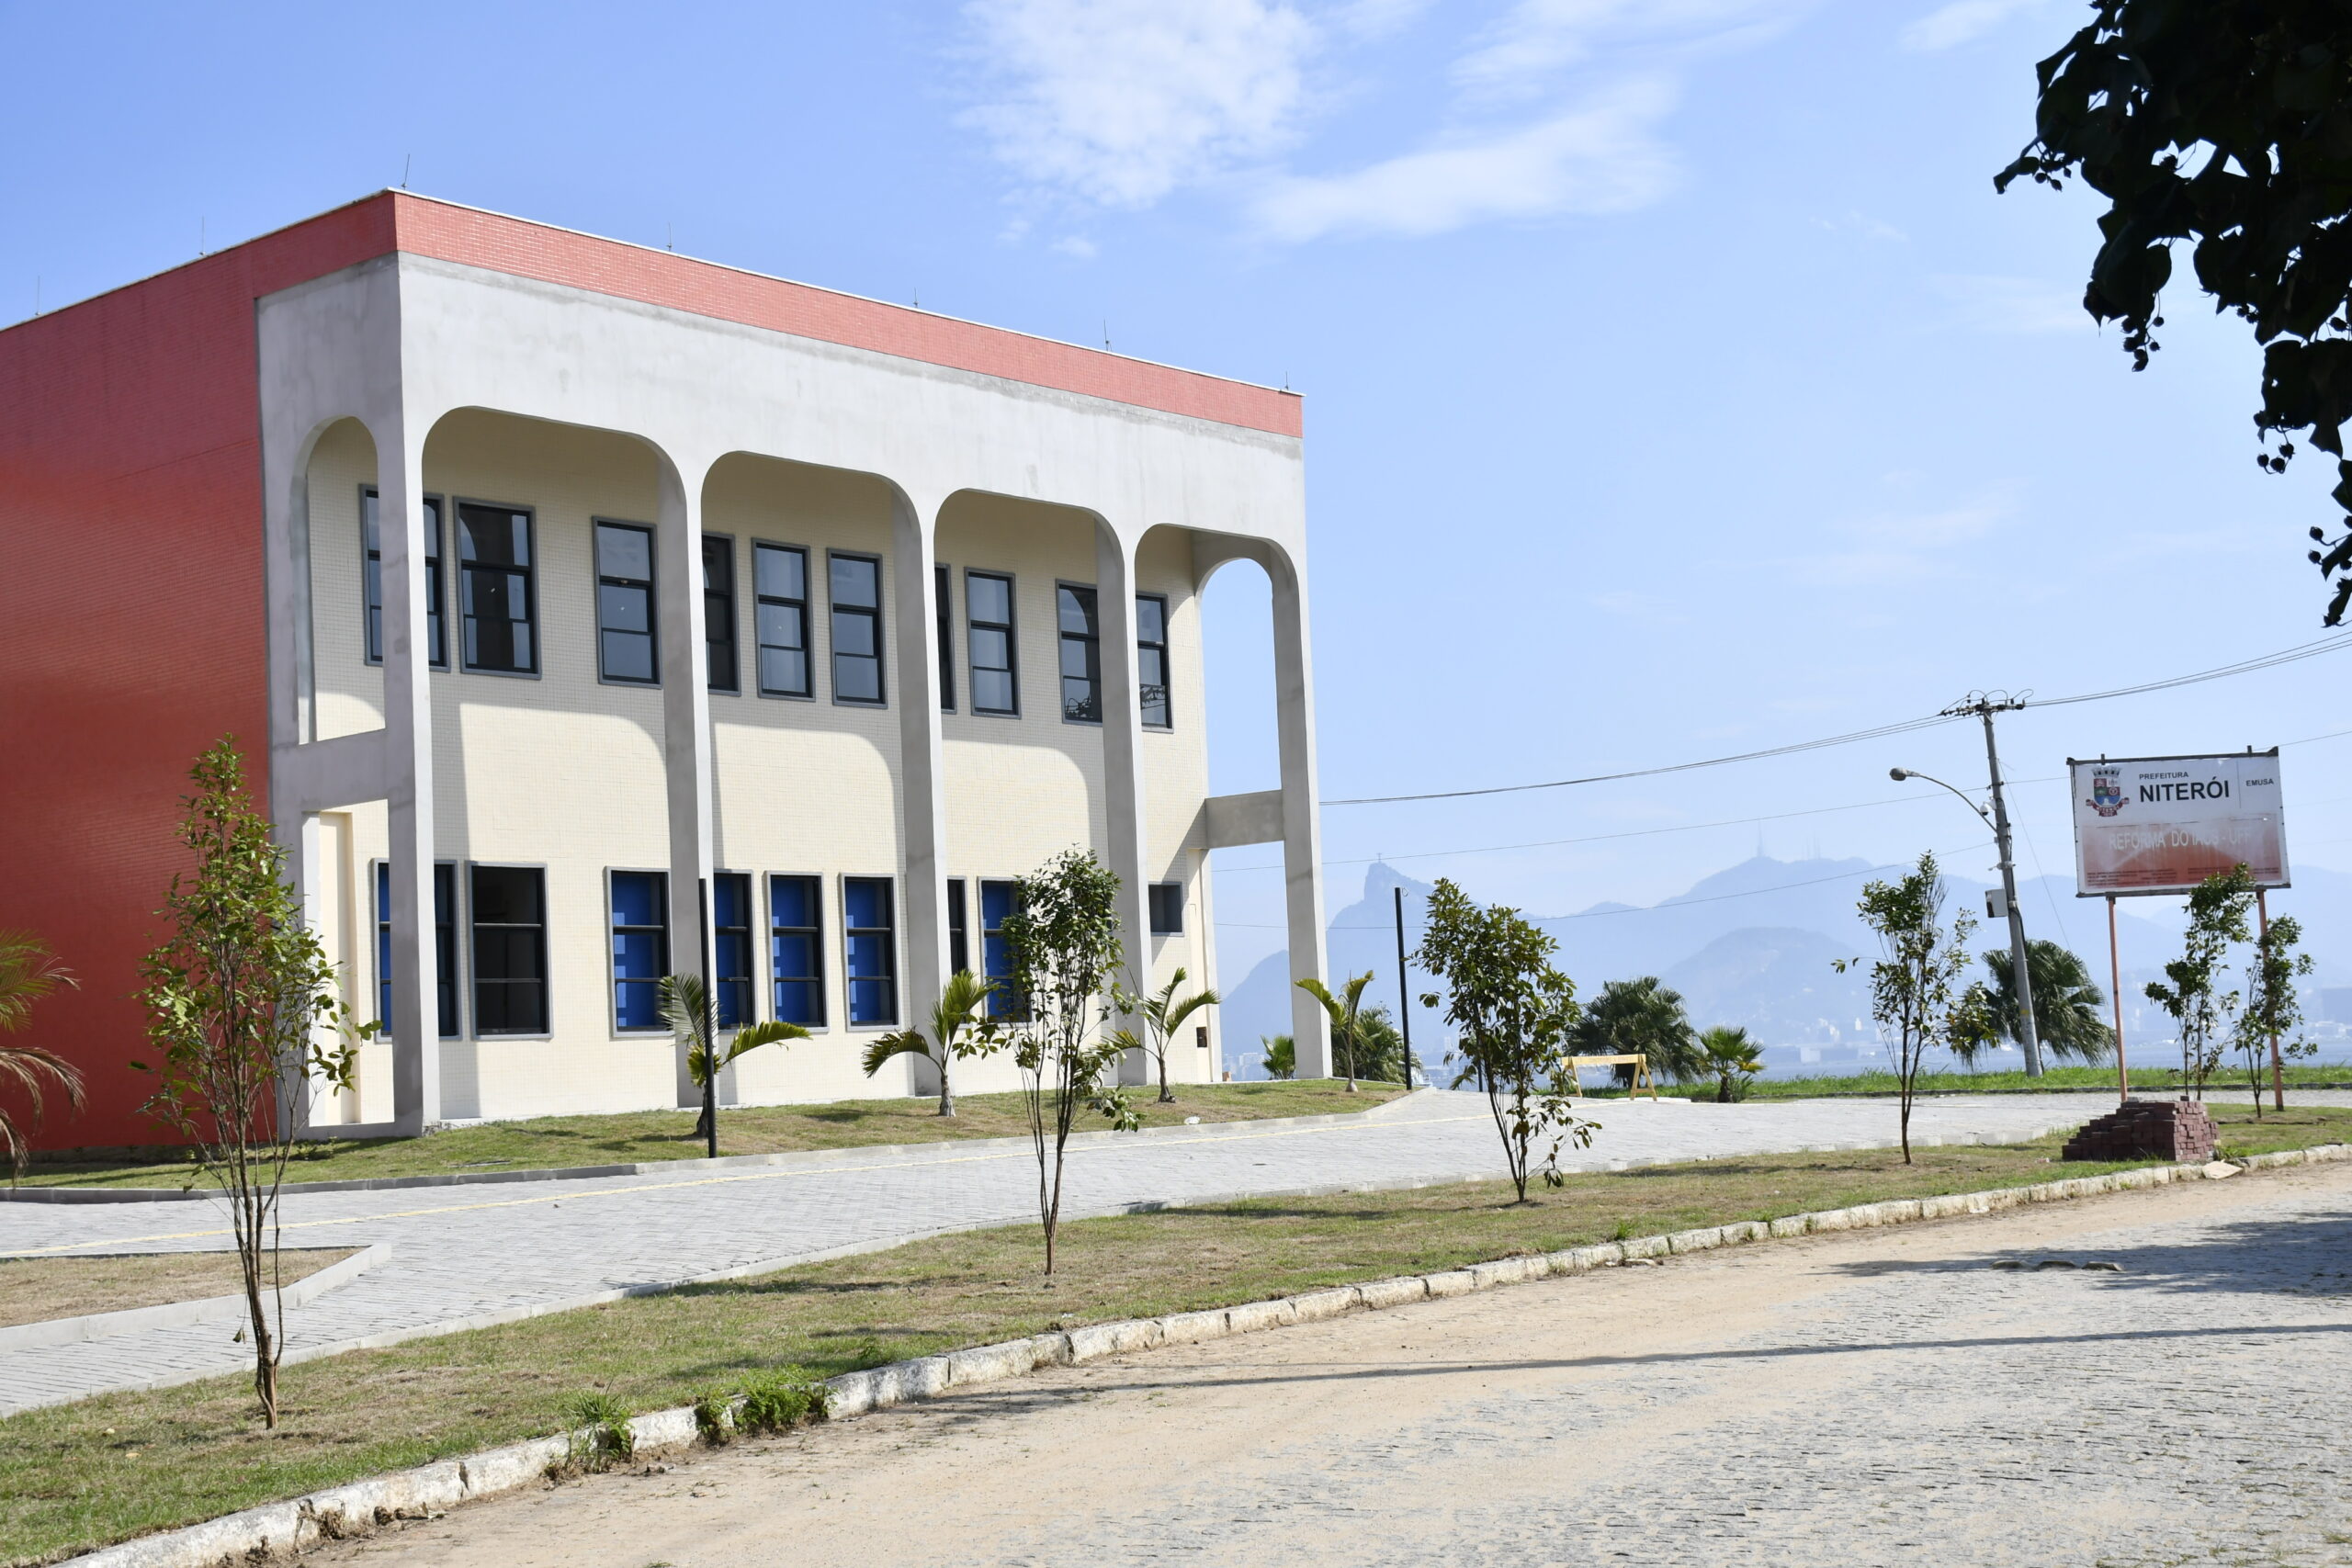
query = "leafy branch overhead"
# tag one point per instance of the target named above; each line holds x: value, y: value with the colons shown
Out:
x: 2230, y: 127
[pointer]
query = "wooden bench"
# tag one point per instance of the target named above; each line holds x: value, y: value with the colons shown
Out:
x: 1640, y: 1064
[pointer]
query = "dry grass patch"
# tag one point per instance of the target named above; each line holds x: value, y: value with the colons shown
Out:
x: 35, y: 1289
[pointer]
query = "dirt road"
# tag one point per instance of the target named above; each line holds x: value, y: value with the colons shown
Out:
x: 1878, y: 1397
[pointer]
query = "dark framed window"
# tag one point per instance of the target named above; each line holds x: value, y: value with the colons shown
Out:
x: 718, y: 612
x: 780, y: 582
x: 1152, y: 661
x: 998, y: 901
x: 1081, y: 641
x: 640, y: 909
x: 1167, y: 909
x: 959, y: 935
x: 795, y: 949
x: 445, y: 946
x: 988, y: 624
x: 870, y: 940
x: 625, y: 604
x: 372, y: 576
x: 731, y: 966
x: 508, y: 907
x: 944, y: 591
x: 856, y: 588
x: 497, y: 589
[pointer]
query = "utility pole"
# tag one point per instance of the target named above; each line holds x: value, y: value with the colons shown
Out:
x: 1984, y: 704
x: 1403, y: 989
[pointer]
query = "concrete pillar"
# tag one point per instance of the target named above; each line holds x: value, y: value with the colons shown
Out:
x: 1122, y: 790
x: 408, y: 766
x: 1302, y: 830
x: 922, y: 801
x: 685, y: 725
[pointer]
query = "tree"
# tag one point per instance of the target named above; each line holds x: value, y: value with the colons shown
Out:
x: 1282, y: 1056
x: 1063, y: 938
x: 1916, y: 993
x: 1380, y: 1048
x: 685, y: 1007
x: 1731, y: 1057
x: 2068, y: 1007
x: 1163, y: 1014
x: 2190, y: 990
x: 238, y: 999
x: 1345, y: 1012
x: 2229, y: 126
x: 28, y: 972
x: 2271, y: 1007
x: 959, y: 1027
x: 1642, y: 1018
x: 1514, y: 1011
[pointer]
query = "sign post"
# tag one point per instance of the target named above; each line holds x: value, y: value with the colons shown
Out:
x: 2115, y: 992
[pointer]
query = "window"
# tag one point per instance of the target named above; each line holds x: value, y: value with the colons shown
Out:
x: 873, y: 967
x: 372, y: 571
x: 731, y: 966
x: 625, y: 604
x: 495, y: 591
x: 509, y: 949
x: 1082, y: 656
x: 987, y: 618
x: 640, y: 947
x: 998, y: 901
x: 796, y: 951
x: 857, y: 628
x: 1151, y: 660
x: 780, y: 577
x: 1167, y: 909
x: 959, y: 939
x: 445, y: 946
x: 718, y: 612
x: 943, y: 591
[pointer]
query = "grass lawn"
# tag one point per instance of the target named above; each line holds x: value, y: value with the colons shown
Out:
x: 646, y: 1135
x: 2150, y: 1081
x: 34, y: 1290
x: 81, y: 1475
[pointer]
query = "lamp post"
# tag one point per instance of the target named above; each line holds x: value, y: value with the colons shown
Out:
x: 1998, y: 819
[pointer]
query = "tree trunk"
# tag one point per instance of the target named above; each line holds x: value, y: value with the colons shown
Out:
x: 1166, y: 1096
x: 946, y: 1095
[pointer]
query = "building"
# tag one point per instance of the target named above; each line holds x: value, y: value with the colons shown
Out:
x: 560, y: 591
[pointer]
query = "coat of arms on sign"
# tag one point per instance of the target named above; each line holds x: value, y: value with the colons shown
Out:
x: 2106, y: 792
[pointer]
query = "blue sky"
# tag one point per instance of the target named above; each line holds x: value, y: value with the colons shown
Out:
x: 1676, y: 382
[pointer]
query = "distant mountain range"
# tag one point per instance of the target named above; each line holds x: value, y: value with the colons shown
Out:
x: 1753, y: 944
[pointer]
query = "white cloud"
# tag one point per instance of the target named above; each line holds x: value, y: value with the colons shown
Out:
x: 1119, y: 102
x: 1994, y: 304
x: 1962, y: 21
x: 1539, y: 39
x: 1075, y: 246
x: 1602, y: 156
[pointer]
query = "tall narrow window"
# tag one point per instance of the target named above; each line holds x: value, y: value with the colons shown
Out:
x: 780, y: 577
x: 998, y: 901
x: 730, y: 967
x: 1152, y: 661
x: 718, y: 612
x: 640, y: 947
x: 942, y: 592
x: 1167, y: 909
x: 1082, y: 656
x: 625, y: 604
x: 959, y: 937
x: 869, y: 928
x: 445, y: 946
x: 497, y: 595
x: 988, y: 616
x: 509, y: 905
x: 795, y: 949
x: 857, y: 628
x: 372, y: 573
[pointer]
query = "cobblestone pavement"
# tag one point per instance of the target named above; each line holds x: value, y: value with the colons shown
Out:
x: 463, y: 1256
x: 1879, y: 1397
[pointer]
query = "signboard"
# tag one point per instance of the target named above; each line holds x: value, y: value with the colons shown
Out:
x: 2164, y: 824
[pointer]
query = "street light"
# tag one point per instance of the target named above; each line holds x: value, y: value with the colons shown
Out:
x: 1998, y: 819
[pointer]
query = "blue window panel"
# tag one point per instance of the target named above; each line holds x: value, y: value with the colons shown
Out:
x: 731, y: 907
x: 445, y: 946
x: 998, y: 901
x: 795, y: 949
x: 640, y: 947
x: 871, y: 950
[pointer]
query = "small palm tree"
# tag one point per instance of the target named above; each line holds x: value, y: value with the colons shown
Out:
x: 1734, y: 1058
x: 959, y: 1028
x: 686, y: 1005
x: 29, y: 970
x: 1282, y: 1056
x: 1164, y: 1014
x: 1642, y: 1018
x: 1345, y: 1011
x: 2069, y: 1007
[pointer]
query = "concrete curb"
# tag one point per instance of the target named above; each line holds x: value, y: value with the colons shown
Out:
x: 278, y: 1530
x: 177, y: 1315
x: 858, y: 1153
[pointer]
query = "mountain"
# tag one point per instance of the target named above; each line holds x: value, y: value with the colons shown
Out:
x: 1780, y: 983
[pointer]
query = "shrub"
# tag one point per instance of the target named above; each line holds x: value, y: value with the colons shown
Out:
x: 780, y: 1400
x: 600, y: 1432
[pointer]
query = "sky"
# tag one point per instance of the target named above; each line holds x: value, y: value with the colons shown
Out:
x: 1675, y: 383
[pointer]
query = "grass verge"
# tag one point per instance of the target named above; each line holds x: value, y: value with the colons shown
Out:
x: 2150, y: 1081
x: 550, y: 1141
x: 81, y: 1475
x: 35, y: 1289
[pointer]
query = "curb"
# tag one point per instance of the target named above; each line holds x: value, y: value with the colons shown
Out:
x: 178, y: 1315
x: 277, y: 1529
x: 941, y: 1147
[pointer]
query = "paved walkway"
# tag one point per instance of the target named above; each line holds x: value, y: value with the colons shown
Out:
x: 461, y: 1256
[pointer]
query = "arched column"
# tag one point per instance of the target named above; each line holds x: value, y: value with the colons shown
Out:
x: 1123, y: 786
x: 923, y: 799
x: 686, y: 719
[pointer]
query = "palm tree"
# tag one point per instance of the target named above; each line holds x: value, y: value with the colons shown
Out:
x: 686, y: 1007
x: 1380, y: 1048
x: 1343, y: 1009
x: 1734, y: 1057
x: 29, y: 970
x: 2069, y: 1009
x: 1281, y: 1055
x: 957, y: 1028
x: 1163, y: 1014
x: 1642, y: 1018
